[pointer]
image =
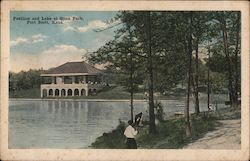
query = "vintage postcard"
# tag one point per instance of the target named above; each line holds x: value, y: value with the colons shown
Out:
x: 125, y: 80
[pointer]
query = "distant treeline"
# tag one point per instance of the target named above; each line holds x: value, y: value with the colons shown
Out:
x: 31, y: 79
x: 25, y: 79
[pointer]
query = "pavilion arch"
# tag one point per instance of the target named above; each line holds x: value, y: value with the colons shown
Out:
x: 57, y: 92
x: 63, y: 92
x: 45, y: 93
x: 50, y: 92
x: 70, y: 78
x: 76, y: 92
x: 69, y: 92
x: 83, y: 92
x: 90, y: 91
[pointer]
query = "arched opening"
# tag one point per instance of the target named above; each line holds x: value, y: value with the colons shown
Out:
x: 57, y: 92
x: 51, y: 92
x: 90, y: 92
x: 83, y: 92
x: 69, y: 92
x: 76, y: 92
x: 63, y: 92
x: 94, y: 91
x: 44, y: 92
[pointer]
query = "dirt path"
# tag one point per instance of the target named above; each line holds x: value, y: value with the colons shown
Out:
x: 225, y: 136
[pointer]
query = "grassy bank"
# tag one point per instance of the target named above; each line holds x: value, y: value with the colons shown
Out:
x: 28, y: 93
x: 170, y: 133
x: 113, y: 92
x: 107, y: 93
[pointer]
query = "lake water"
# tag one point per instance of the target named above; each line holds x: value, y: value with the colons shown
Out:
x: 72, y: 124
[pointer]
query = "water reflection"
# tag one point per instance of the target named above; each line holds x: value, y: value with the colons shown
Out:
x: 70, y: 124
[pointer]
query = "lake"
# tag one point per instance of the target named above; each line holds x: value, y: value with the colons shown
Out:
x: 73, y: 124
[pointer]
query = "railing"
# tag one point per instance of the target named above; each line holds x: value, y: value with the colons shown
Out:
x: 76, y: 85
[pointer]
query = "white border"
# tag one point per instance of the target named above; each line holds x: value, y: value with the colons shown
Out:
x: 90, y: 154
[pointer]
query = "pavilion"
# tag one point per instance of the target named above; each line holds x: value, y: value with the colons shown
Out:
x: 72, y: 79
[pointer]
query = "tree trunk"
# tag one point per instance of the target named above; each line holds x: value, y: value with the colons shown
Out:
x: 131, y: 77
x: 188, y: 127
x: 208, y: 81
x: 196, y: 83
x: 152, y: 128
x: 229, y: 62
x: 131, y: 87
x: 236, y: 59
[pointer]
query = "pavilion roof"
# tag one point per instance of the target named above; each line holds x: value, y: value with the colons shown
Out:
x: 73, y: 68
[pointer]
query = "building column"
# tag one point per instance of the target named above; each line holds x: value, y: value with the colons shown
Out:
x: 63, y: 79
x: 73, y: 79
x: 85, y: 79
x: 87, y: 91
x: 73, y: 92
x: 53, y: 93
x: 41, y: 92
x: 53, y: 80
x: 79, y: 92
x: 47, y: 91
x: 60, y: 92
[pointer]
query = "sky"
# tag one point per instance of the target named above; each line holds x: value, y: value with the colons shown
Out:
x: 35, y: 45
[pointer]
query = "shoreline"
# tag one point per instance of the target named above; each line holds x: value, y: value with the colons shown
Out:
x: 172, y: 133
x: 92, y: 99
x: 80, y: 99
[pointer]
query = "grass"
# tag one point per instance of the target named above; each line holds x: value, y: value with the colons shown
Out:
x: 113, y: 140
x: 170, y: 132
x: 28, y: 93
x: 228, y: 113
x: 112, y: 92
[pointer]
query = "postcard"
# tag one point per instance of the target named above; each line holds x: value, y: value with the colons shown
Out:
x: 125, y: 80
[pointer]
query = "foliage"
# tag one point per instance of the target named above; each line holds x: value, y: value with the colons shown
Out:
x: 25, y: 80
x: 159, y: 111
x: 164, y: 43
x: 25, y: 93
x: 229, y: 29
x: 170, y: 134
x: 113, y: 140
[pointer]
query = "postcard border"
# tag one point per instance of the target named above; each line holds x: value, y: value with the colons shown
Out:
x: 146, y: 154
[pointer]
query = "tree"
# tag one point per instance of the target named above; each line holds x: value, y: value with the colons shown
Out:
x: 169, y: 48
x: 120, y: 56
x: 166, y: 44
x: 25, y: 79
x: 152, y: 128
x: 190, y: 21
x: 229, y: 25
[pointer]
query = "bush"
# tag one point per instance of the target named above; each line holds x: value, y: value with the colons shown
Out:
x: 113, y: 140
x: 159, y: 111
x: 170, y: 134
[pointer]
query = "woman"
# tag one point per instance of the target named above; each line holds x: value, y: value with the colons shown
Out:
x: 130, y: 133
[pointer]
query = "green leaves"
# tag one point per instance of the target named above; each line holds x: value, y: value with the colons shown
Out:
x: 169, y: 44
x: 24, y: 79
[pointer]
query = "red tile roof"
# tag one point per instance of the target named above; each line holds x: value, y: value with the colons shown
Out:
x: 74, y: 67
